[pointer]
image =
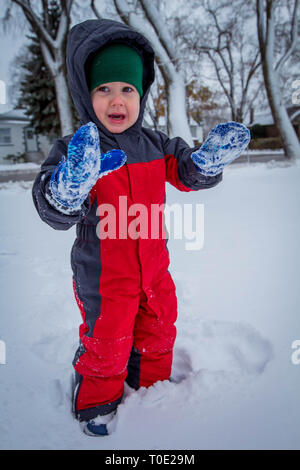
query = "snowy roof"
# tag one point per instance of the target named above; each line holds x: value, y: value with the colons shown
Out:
x: 266, y: 119
x: 16, y: 115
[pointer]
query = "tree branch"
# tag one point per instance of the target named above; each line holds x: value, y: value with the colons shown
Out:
x: 62, y: 28
x: 254, y: 67
x: 293, y: 116
x: 294, y: 39
x: 35, y: 22
x: 95, y: 10
x: 217, y: 69
x: 261, y: 26
x: 122, y: 11
x: 46, y: 14
x: 153, y: 16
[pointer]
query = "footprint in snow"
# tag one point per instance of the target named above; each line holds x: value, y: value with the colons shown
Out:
x: 218, y: 345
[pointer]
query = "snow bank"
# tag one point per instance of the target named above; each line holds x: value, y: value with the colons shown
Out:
x: 19, y: 166
x: 233, y: 382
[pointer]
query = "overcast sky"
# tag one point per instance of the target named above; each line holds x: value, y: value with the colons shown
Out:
x: 10, y: 46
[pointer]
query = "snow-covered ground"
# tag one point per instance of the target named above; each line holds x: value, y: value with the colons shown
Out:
x: 34, y: 166
x: 19, y: 166
x: 235, y: 387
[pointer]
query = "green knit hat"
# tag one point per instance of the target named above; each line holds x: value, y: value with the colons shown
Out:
x: 116, y: 63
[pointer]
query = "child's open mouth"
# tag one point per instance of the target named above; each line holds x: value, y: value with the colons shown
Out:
x: 116, y: 117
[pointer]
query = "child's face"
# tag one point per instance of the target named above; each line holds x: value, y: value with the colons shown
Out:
x: 116, y: 105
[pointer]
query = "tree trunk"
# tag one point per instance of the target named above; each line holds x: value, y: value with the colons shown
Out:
x: 150, y: 26
x: 63, y: 98
x: 289, y: 137
x: 177, y: 120
x: 64, y: 104
x: 53, y: 50
x: 266, y: 37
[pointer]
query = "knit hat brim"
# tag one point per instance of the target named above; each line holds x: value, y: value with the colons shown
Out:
x: 116, y: 63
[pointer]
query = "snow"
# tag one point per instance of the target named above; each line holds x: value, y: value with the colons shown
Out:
x: 263, y: 152
x: 15, y: 114
x: 234, y: 383
x: 19, y: 166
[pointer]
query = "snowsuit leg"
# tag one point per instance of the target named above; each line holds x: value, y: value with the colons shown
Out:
x: 107, y: 285
x: 101, y: 359
x: 154, y: 335
x: 140, y: 349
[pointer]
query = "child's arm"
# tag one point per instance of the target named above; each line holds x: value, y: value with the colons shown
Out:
x: 200, y: 168
x: 61, y: 190
x: 41, y: 192
x: 181, y: 172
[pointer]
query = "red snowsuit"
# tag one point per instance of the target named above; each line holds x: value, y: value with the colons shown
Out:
x: 122, y: 285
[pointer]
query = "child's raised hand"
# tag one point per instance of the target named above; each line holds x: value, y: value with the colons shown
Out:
x: 74, y: 177
x: 224, y: 143
x: 83, y: 160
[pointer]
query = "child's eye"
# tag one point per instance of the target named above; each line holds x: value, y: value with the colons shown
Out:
x: 127, y: 89
x: 103, y: 89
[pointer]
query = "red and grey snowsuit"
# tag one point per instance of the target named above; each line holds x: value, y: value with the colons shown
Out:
x: 122, y: 286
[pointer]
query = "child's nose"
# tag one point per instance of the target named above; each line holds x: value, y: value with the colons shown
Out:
x: 117, y: 100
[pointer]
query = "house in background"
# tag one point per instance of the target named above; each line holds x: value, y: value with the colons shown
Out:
x: 266, y: 120
x: 18, y: 137
x: 196, y: 129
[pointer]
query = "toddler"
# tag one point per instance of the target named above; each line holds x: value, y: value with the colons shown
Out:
x: 121, y: 281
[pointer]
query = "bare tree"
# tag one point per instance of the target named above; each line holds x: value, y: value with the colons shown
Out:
x: 157, y: 103
x: 53, y: 49
x: 223, y: 37
x: 145, y: 17
x: 266, y: 30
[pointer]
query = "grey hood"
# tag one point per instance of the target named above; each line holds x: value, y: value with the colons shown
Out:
x: 85, y: 39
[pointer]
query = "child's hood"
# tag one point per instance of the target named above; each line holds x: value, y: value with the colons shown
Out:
x: 86, y: 38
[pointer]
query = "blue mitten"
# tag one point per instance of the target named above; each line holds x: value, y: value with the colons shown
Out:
x: 224, y: 143
x: 74, y: 176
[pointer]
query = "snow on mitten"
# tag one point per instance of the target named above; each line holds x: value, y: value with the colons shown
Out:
x: 224, y: 143
x: 74, y: 176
